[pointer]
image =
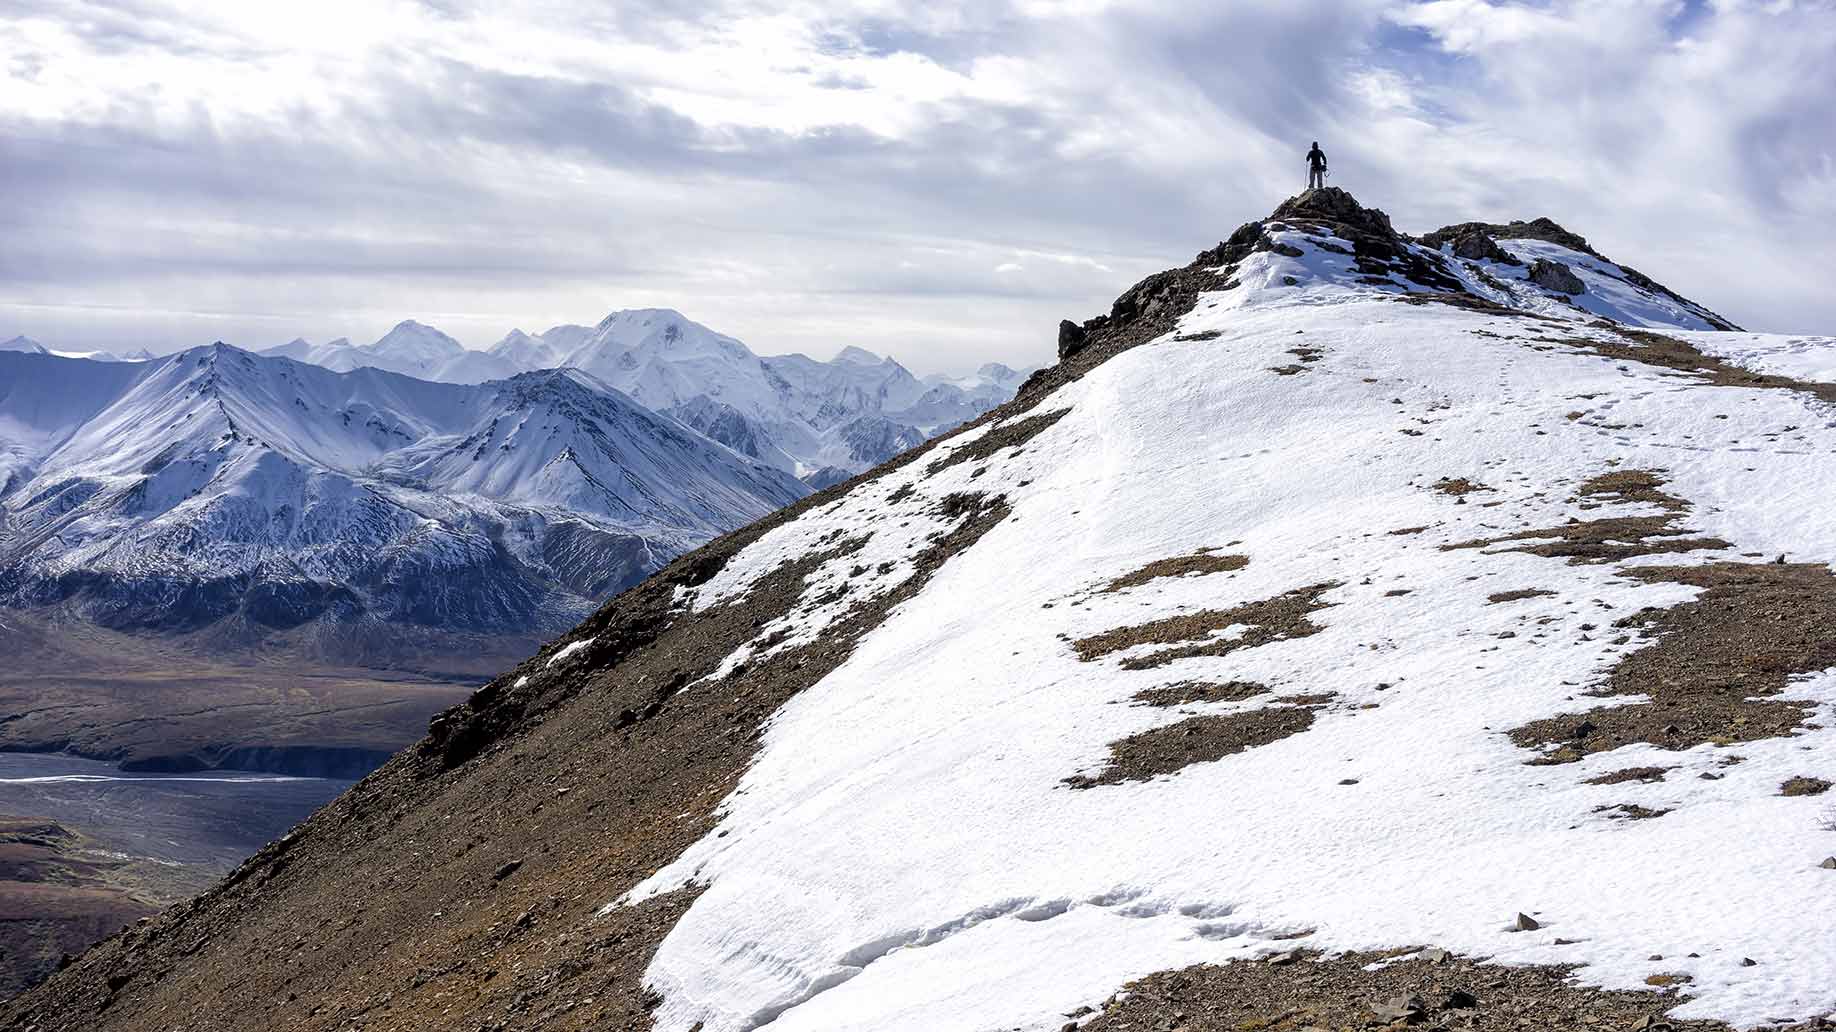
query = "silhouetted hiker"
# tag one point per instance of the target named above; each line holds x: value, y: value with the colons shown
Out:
x: 1316, y: 167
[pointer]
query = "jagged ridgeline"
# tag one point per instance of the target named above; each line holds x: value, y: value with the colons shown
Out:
x: 1350, y: 630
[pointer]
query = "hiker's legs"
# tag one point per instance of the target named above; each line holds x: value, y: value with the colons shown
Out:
x: 1316, y: 178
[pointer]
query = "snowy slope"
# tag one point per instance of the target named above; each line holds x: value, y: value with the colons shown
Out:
x: 44, y: 399
x: 224, y: 478
x: 913, y: 841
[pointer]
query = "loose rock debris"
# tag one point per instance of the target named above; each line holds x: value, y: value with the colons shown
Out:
x: 1314, y: 993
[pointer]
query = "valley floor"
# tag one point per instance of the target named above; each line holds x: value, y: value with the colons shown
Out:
x: 98, y: 730
x: 167, y: 704
x: 103, y: 848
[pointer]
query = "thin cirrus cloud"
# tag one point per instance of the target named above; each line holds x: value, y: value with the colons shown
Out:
x: 941, y: 181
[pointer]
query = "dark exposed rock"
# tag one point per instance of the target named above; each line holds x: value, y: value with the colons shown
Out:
x: 1475, y: 245
x: 1556, y: 276
x: 1543, y: 229
x: 1071, y: 339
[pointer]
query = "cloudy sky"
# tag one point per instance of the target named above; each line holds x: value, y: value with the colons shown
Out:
x: 940, y: 180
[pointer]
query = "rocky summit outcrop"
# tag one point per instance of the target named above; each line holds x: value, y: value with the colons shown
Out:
x: 1557, y: 277
x: 1291, y: 654
x: 1477, y: 245
x: 1544, y: 229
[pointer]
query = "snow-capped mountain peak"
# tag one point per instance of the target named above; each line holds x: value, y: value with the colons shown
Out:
x: 415, y: 348
x: 525, y: 352
x: 858, y: 356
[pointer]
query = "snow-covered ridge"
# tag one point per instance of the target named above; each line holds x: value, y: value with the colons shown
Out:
x: 286, y: 492
x: 909, y: 844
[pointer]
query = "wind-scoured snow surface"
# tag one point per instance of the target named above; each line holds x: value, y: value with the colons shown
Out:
x: 905, y: 852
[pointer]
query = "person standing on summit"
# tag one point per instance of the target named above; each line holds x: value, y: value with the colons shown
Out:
x: 1316, y: 167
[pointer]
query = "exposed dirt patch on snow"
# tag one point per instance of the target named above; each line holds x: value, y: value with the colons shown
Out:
x: 1307, y: 357
x: 1614, y: 538
x: 1715, y: 665
x: 1179, y: 566
x: 1803, y: 786
x: 1304, y: 990
x: 1165, y: 750
x: 1516, y: 595
x: 1011, y: 434
x: 1629, y: 812
x: 1186, y: 692
x: 1632, y: 485
x: 1655, y: 349
x: 1642, y: 775
x: 1458, y: 486
x: 1603, y: 541
x: 1197, y: 634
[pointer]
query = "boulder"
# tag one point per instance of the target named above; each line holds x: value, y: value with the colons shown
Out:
x: 1556, y: 276
x: 1071, y: 339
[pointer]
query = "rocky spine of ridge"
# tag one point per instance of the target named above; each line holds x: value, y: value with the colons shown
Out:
x: 1151, y: 307
x: 1480, y: 240
x: 461, y: 885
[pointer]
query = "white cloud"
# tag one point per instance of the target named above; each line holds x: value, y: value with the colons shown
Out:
x: 810, y: 174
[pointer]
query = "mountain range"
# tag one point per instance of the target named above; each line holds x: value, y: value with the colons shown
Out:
x: 340, y: 487
x: 219, y: 488
x: 28, y: 346
x: 822, y: 421
x: 1351, y: 630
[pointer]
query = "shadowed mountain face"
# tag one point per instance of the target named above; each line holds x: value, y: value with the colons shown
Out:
x: 1337, y: 595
